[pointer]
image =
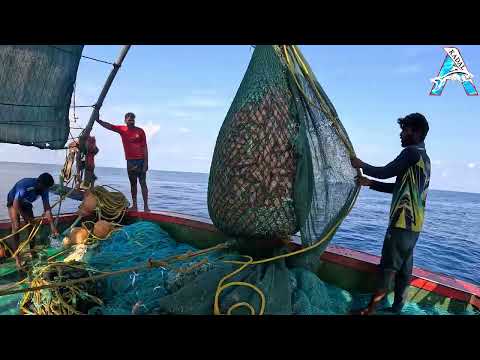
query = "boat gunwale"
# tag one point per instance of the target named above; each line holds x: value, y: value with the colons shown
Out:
x: 443, y: 285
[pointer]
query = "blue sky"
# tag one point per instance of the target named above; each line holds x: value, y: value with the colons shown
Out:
x: 181, y: 94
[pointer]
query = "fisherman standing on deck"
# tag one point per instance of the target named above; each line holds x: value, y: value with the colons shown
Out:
x: 19, y: 202
x: 136, y: 153
x: 412, y: 169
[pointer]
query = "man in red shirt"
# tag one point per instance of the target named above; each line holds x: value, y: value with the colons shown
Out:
x: 136, y: 154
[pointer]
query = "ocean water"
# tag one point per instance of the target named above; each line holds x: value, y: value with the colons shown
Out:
x: 449, y: 243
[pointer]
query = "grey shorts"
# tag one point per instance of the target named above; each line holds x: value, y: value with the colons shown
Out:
x: 135, y: 167
x: 397, y: 257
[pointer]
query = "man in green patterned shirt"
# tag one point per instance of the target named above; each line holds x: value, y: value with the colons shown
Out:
x: 409, y: 193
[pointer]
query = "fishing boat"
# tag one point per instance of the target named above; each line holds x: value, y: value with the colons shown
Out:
x: 25, y: 125
x: 344, y: 268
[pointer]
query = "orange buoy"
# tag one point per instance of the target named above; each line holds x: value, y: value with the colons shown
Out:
x: 78, y: 235
x: 88, y: 204
x: 66, y: 241
x: 102, y: 228
x: 2, y: 252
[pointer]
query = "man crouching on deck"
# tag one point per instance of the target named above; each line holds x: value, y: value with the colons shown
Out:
x: 412, y: 169
x: 136, y: 153
x: 19, y: 202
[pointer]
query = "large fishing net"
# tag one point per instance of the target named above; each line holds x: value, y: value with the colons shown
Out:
x: 36, y: 85
x: 281, y: 162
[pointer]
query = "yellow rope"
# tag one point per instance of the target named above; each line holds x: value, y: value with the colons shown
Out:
x: 149, y: 265
x: 111, y: 205
x: 221, y: 287
x: 323, y: 107
x: 32, y: 235
x: 2, y: 240
x: 57, y: 303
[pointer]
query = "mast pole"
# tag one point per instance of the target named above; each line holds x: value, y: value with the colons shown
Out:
x: 106, y: 87
x: 94, y: 116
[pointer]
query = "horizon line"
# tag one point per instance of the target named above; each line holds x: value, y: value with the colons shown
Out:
x: 190, y: 172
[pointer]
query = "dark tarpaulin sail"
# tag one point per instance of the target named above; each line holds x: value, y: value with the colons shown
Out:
x: 36, y: 85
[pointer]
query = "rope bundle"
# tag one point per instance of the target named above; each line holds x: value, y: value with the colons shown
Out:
x: 111, y: 205
x: 72, y: 299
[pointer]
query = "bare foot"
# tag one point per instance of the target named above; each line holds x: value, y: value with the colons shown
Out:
x: 146, y: 209
x: 133, y: 208
x: 366, y: 311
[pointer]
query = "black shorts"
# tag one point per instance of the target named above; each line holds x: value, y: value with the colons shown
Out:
x: 25, y: 207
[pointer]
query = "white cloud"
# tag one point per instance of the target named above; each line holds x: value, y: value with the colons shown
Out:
x: 180, y: 113
x: 204, y: 92
x: 471, y: 165
x: 416, y: 51
x: 409, y: 69
x: 174, y: 150
x: 184, y: 130
x: 150, y: 129
x: 436, y: 162
x: 444, y: 174
x: 203, y: 102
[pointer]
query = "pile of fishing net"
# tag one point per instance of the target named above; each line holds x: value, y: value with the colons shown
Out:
x: 190, y: 282
x: 189, y: 286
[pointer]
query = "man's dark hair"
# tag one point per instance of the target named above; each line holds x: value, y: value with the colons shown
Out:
x: 46, y: 180
x: 130, y: 115
x: 416, y: 122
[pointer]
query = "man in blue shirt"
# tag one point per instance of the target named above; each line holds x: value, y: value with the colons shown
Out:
x: 19, y: 202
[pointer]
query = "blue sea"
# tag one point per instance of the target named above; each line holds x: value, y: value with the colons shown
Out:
x: 449, y: 243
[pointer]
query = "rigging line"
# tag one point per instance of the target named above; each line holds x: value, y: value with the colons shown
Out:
x: 29, y: 105
x: 83, y: 56
x: 102, y: 61
x: 29, y: 125
x: 45, y: 106
x: 40, y: 142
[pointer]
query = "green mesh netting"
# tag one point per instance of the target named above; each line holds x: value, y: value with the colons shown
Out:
x: 177, y: 290
x: 129, y: 247
x: 281, y: 161
x: 36, y: 85
x: 189, y: 286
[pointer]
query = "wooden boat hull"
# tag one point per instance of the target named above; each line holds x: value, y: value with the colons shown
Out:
x: 348, y: 269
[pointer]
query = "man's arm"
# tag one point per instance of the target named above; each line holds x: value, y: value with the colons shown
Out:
x: 145, y: 159
x: 375, y: 185
x: 403, y: 161
x: 48, y: 214
x: 382, y: 187
x: 107, y: 125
